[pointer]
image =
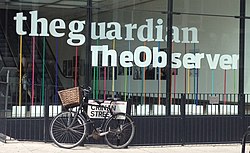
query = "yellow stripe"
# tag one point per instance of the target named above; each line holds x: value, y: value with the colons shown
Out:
x: 144, y: 74
x: 20, y: 71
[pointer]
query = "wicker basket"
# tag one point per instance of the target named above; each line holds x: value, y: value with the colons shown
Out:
x: 70, y: 97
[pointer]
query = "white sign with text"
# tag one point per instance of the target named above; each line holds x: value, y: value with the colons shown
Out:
x: 98, y: 111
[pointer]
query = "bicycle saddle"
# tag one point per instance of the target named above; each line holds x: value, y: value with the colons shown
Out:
x: 113, y: 99
x: 99, y: 101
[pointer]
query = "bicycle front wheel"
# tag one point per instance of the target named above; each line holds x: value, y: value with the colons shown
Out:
x: 67, y: 132
x: 121, y: 130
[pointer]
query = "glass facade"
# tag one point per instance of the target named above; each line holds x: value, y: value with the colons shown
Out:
x: 129, y: 45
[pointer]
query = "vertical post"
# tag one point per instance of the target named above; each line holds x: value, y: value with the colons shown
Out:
x: 241, y: 60
x: 169, y: 55
x: 183, y: 110
x: 88, y: 44
x: 46, y: 117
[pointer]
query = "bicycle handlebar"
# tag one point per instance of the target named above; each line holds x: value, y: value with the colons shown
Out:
x: 86, y: 90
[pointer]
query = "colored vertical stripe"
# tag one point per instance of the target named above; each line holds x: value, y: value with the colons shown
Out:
x: 194, y: 79
x: 185, y: 72
x: 56, y: 76
x: 235, y: 81
x: 195, y: 82
x: 159, y: 78
x: 105, y: 82
x: 33, y: 71
x: 76, y: 67
x: 225, y: 86
x: 197, y: 86
x: 113, y: 72
x: 20, y: 68
x: 95, y: 79
x: 175, y: 82
x: 125, y: 83
x: 94, y: 83
x: 143, y: 78
x: 97, y: 82
x: 174, y: 71
x: 188, y: 81
x: 212, y: 82
x: 129, y: 69
x: 43, y: 71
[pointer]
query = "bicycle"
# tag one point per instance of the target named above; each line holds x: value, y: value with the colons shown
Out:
x: 69, y: 128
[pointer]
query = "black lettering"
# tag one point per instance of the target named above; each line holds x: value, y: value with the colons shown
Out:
x: 93, y: 107
x: 113, y: 107
x: 92, y: 113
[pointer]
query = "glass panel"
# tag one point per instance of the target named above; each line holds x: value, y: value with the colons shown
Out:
x: 131, y: 29
x: 206, y: 34
x: 213, y: 7
x: 216, y: 46
x: 30, y: 29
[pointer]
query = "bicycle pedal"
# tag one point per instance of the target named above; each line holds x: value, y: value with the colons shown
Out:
x: 89, y: 136
x: 103, y: 133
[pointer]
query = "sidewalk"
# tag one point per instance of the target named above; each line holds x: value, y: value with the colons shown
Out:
x: 13, y: 146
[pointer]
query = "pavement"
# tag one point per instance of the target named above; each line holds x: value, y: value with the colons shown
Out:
x: 13, y: 146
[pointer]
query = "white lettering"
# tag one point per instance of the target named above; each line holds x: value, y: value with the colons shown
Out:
x: 129, y: 29
x: 19, y: 23
x: 116, y: 31
x: 147, y: 54
x: 186, y: 35
x: 226, y: 62
x: 235, y: 61
x: 34, y: 22
x: 53, y: 27
x: 126, y: 59
x: 159, y: 54
x: 76, y: 38
x: 176, y: 62
x: 149, y: 31
x: 189, y: 61
x: 213, y: 63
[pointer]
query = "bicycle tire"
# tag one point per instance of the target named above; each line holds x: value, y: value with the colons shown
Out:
x: 121, y: 130
x: 65, y: 136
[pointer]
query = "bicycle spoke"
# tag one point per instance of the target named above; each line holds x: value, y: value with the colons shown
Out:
x: 126, y: 125
x: 78, y: 126
x: 61, y: 124
x: 118, y: 142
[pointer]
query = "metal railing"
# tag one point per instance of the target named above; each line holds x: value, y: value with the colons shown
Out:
x: 187, y: 118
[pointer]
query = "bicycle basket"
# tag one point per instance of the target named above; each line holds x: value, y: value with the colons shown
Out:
x: 70, y: 97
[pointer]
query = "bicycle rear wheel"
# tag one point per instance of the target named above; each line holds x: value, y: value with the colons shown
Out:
x: 121, y: 130
x: 67, y: 132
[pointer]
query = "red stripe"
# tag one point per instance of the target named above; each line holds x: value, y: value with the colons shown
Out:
x: 185, y: 73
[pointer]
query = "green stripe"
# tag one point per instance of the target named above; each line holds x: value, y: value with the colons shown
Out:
x: 94, y: 87
x: 234, y: 82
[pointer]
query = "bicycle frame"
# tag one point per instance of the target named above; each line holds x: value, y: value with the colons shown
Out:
x: 80, y: 110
